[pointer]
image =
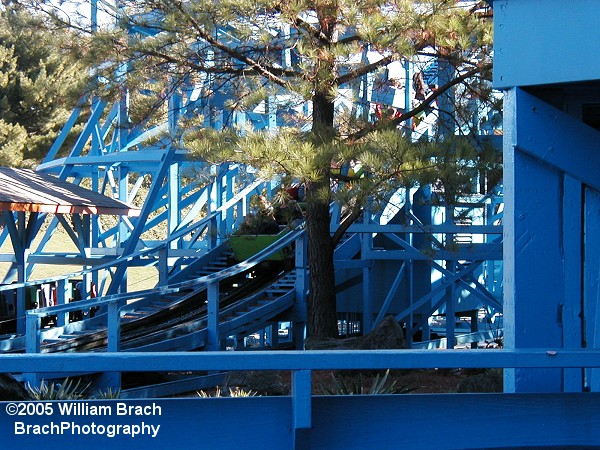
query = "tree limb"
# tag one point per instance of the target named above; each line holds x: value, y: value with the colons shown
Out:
x: 424, y: 104
x: 268, y: 72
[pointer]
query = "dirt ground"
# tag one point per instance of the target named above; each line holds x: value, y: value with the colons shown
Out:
x: 343, y: 382
x: 405, y: 381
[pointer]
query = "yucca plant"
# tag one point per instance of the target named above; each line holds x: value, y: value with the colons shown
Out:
x: 55, y: 391
x: 108, y: 394
x: 233, y: 392
x: 342, y: 385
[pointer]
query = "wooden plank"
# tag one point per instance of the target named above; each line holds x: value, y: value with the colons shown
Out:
x: 529, y: 34
x: 572, y: 223
x: 552, y: 136
x: 200, y: 423
x: 290, y: 360
x: 434, y: 421
x: 533, y: 259
x: 591, y: 281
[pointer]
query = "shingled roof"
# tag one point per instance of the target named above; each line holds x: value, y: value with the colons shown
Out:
x: 26, y: 190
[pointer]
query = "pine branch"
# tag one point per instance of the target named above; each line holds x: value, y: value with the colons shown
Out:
x: 271, y: 73
x: 424, y: 104
x: 345, y: 224
x: 363, y: 70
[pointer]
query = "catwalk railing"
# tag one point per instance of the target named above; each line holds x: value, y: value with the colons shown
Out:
x: 304, y: 420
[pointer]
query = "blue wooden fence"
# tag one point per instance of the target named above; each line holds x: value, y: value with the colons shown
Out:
x: 302, y: 420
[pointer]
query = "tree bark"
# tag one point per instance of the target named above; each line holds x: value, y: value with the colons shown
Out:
x: 322, y: 309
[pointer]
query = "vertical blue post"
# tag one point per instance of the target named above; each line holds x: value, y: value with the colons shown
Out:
x: 365, y: 89
x: 32, y: 345
x: 533, y: 267
x: 174, y: 112
x: 21, y: 250
x: 114, y: 327
x: 32, y: 337
x: 94, y: 15
x: 446, y: 121
x: 62, y: 292
x: 123, y: 230
x: 367, y: 288
x: 274, y: 331
x: 163, y: 266
x: 572, y: 309
x: 113, y: 379
x: 591, y: 283
x: 300, y: 287
x: 421, y: 270
x: 212, y: 291
x: 173, y: 211
x: 220, y: 185
x: 451, y: 290
x: 211, y: 205
x: 409, y: 263
x: 302, y: 408
x: 408, y: 93
x: 229, y: 180
x: 22, y: 291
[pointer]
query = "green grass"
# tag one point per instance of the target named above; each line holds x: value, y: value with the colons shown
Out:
x: 139, y: 278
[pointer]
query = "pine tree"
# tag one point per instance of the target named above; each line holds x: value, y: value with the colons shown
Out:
x: 39, y: 84
x: 255, y: 50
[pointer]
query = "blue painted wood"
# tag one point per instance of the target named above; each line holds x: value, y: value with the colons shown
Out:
x: 367, y: 282
x: 213, y: 315
x: 302, y: 408
x: 114, y: 327
x: 480, y: 252
x: 553, y: 136
x: 64, y: 133
x: 32, y: 337
x: 591, y: 280
x: 63, y: 291
x: 391, y: 294
x: 402, y: 421
x: 424, y: 229
x: 572, y: 310
x: 201, y: 423
x: 175, y: 387
x: 430, y: 421
x: 426, y: 300
x: 300, y: 360
x: 529, y: 34
x: 533, y: 233
x: 132, y: 239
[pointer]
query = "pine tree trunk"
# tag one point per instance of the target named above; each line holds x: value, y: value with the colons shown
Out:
x: 322, y: 311
x: 322, y: 308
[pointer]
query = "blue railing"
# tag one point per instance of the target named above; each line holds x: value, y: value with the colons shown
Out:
x: 304, y: 420
x: 115, y: 302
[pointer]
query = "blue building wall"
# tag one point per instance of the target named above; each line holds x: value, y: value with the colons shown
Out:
x: 551, y: 143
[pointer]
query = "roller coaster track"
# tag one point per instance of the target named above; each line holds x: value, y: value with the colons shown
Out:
x: 252, y: 294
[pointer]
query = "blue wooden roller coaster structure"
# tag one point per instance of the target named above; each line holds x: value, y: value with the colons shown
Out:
x: 524, y: 258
